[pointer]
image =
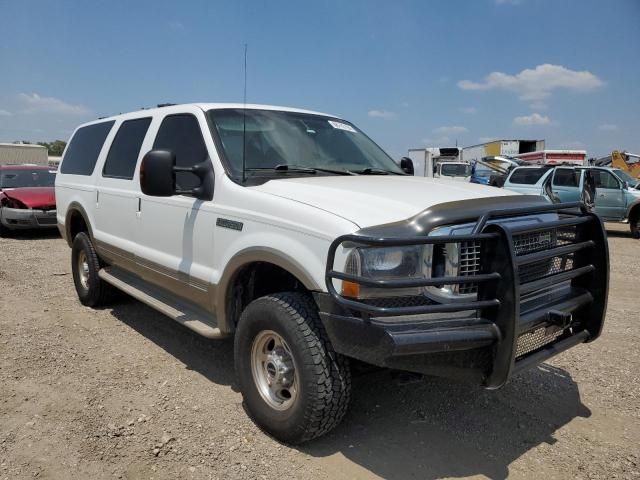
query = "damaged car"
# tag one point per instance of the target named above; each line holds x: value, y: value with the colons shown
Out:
x: 27, y: 197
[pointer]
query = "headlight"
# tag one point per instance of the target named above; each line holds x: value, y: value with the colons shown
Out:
x: 384, y: 263
x: 415, y: 262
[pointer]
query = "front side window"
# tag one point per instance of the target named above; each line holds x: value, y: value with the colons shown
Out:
x: 605, y: 179
x: 82, y: 152
x: 125, y: 149
x: 566, y: 177
x: 181, y: 134
x: 268, y: 139
x: 24, y: 178
x: 527, y: 176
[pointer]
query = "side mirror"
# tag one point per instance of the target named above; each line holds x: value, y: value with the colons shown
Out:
x: 158, y: 176
x: 406, y: 164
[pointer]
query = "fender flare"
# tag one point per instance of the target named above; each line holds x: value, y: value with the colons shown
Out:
x: 73, y: 208
x: 252, y: 255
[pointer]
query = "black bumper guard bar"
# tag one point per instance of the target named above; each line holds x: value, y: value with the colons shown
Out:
x: 499, y: 285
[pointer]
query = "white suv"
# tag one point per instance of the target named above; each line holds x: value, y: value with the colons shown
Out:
x: 297, y: 234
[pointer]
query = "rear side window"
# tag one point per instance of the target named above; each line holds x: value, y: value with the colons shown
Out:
x: 564, y: 177
x: 124, y: 151
x: 527, y: 176
x: 82, y: 153
x: 604, y: 179
x: 181, y: 134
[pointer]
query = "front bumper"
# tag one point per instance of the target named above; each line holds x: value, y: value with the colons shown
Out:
x: 516, y: 321
x: 23, y: 219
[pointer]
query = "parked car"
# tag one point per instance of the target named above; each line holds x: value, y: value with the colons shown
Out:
x: 616, y: 199
x: 492, y: 170
x: 296, y: 234
x: 27, y: 197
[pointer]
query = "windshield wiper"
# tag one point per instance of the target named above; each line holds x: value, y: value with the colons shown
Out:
x: 300, y: 169
x: 375, y: 171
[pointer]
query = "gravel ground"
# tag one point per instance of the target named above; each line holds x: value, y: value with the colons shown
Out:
x: 126, y: 393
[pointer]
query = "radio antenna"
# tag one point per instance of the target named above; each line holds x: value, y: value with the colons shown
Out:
x: 244, y: 119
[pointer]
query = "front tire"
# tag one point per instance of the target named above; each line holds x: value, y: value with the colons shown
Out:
x: 294, y: 385
x: 85, y: 265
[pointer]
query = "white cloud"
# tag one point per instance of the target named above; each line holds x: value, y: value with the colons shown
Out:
x: 533, y: 119
x: 608, y: 127
x: 454, y: 130
x: 5, y: 113
x: 176, y: 26
x: 468, y: 109
x: 537, y: 83
x: 443, y: 141
x: 382, y: 114
x: 34, y: 103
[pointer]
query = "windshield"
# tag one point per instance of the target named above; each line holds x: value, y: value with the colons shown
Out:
x: 21, y: 178
x: 455, y: 169
x: 624, y: 176
x: 275, y: 139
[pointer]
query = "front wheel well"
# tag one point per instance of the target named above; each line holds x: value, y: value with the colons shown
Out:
x: 256, y: 280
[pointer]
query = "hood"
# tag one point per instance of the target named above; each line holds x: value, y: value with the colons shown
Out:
x: 33, y: 197
x: 369, y: 200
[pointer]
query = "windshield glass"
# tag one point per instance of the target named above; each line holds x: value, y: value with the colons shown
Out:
x: 274, y: 138
x: 624, y: 176
x: 21, y: 178
x: 455, y: 170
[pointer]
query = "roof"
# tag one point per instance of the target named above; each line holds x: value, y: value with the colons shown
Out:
x: 26, y: 167
x: 205, y: 107
x: 21, y: 145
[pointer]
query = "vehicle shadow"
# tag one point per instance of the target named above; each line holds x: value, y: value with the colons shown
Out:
x: 34, y: 234
x: 211, y: 358
x: 438, y: 428
x: 397, y: 429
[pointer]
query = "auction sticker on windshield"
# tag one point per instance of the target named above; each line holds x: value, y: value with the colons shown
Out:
x: 342, y: 126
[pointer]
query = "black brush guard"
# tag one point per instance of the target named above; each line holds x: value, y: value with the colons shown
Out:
x: 490, y: 338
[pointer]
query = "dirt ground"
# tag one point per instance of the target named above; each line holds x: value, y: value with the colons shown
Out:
x: 126, y: 393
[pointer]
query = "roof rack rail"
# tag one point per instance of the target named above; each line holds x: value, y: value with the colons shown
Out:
x: 160, y: 105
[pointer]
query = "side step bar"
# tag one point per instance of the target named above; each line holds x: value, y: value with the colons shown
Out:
x: 190, y: 316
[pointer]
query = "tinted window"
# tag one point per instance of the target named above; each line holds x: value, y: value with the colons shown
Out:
x: 564, y: 177
x: 181, y: 134
x: 124, y: 151
x: 604, y: 179
x: 455, y: 170
x: 527, y: 176
x: 82, y: 153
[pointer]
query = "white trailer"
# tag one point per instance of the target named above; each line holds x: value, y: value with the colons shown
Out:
x: 555, y: 157
x: 439, y: 163
x: 508, y: 148
x: 21, y: 153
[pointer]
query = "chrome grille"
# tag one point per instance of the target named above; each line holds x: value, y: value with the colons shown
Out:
x: 535, y: 339
x: 469, y: 264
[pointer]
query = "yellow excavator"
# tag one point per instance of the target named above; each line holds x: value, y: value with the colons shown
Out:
x: 627, y: 162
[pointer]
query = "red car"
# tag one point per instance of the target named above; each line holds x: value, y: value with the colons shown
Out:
x: 27, y: 197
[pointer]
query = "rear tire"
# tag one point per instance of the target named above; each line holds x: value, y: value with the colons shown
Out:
x: 634, y: 225
x: 85, y: 265
x: 294, y: 385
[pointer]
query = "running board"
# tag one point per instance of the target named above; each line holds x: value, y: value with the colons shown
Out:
x: 190, y: 316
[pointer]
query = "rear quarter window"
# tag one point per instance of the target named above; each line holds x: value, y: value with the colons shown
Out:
x: 83, y: 150
x: 527, y: 176
x: 125, y: 149
x: 564, y: 177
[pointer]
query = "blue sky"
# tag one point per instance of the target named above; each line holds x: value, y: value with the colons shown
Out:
x: 409, y: 73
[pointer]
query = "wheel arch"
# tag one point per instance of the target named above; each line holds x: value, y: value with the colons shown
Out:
x: 265, y: 259
x: 76, y: 220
